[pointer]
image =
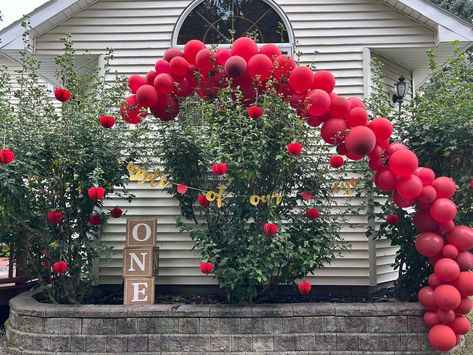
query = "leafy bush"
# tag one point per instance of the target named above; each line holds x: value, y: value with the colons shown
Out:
x: 60, y: 153
x: 248, y: 263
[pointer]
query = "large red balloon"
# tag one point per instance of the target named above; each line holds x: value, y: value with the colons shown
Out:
x: 465, y: 260
x: 271, y: 51
x: 428, y: 194
x: 429, y: 244
x: 222, y: 55
x: 162, y: 67
x: 426, y: 175
x: 424, y: 222
x: 172, y: 53
x: 409, y: 186
x: 431, y: 319
x: 260, y: 65
x: 147, y: 96
x: 205, y: 60
x: 385, y: 180
x: 179, y: 67
x: 151, y: 76
x: 319, y: 102
x: 447, y: 297
x: 164, y: 84
x: 244, y: 47
x: 450, y: 251
x: 465, y: 307
x: 323, y: 80
x: 444, y: 186
x: 131, y: 112
x: 394, y: 147
x: 461, y: 325
x: 333, y: 130
x: 447, y: 270
x: 135, y: 82
x: 301, y: 79
x: 191, y: 49
x: 382, y: 128
x: 357, y: 116
x: 461, y: 237
x: 401, y: 201
x: 235, y: 67
x: 283, y: 66
x: 360, y: 141
x: 464, y: 283
x: 443, y: 210
x: 340, y: 106
x: 426, y: 298
x: 403, y: 162
x: 356, y: 102
x: 166, y: 109
x: 442, y: 338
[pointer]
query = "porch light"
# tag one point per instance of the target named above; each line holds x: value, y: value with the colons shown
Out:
x: 400, y: 90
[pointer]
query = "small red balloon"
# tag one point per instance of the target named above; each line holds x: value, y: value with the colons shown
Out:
x: 443, y: 210
x: 319, y: 102
x: 304, y: 287
x: 255, y: 112
x: 312, y: 213
x: 181, y: 188
x: 465, y: 307
x: 270, y: 229
x: 426, y: 175
x: 6, y: 156
x: 434, y: 281
x: 164, y: 84
x: 96, y: 193
x: 340, y: 106
x: 60, y: 267
x: 356, y: 102
x: 461, y: 325
x: 426, y: 298
x: 402, y: 201
x: 392, y: 219
x: 203, y: 201
x: 385, y: 180
x: 465, y: 260
x: 219, y: 169
x: 450, y: 251
x: 403, y: 162
x: 222, y: 55
x: 162, y: 67
x: 206, y: 267
x: 294, y: 148
x: 205, y: 60
x: 179, y: 67
x: 464, y: 283
x: 445, y: 316
x: 336, y: 161
x: 116, y: 212
x: 54, y: 216
x: 94, y: 220
x: 431, y: 319
x: 107, y: 121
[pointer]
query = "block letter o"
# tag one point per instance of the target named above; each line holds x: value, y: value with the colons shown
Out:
x: 134, y: 232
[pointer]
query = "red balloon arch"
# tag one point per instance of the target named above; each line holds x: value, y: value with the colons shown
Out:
x: 344, y: 123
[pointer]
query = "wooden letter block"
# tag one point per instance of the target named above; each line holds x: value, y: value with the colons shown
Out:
x: 139, y: 290
x: 141, y: 232
x: 138, y: 262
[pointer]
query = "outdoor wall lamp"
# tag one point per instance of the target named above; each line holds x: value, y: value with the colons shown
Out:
x: 400, y: 90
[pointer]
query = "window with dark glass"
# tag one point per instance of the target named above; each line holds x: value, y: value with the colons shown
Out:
x: 222, y: 21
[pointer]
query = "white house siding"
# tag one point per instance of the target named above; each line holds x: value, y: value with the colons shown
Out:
x: 331, y: 32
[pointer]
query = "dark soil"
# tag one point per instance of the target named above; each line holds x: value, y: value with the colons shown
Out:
x: 114, y: 296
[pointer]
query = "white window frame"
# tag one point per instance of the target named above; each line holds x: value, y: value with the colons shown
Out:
x: 285, y: 47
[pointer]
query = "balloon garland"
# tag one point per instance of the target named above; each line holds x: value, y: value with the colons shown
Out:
x: 344, y: 124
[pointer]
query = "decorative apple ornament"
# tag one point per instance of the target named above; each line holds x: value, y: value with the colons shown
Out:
x: 6, y: 156
x: 96, y: 193
x: 60, y: 267
x: 294, y: 148
x: 54, y: 216
x: 116, y: 212
x: 392, y: 219
x: 107, y: 121
x: 219, y: 169
x: 312, y: 213
x: 62, y: 94
x: 270, y: 229
x: 206, y: 267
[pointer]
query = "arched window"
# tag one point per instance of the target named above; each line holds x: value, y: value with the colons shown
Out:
x: 222, y: 21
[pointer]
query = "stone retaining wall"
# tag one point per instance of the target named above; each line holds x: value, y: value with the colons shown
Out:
x: 311, y: 328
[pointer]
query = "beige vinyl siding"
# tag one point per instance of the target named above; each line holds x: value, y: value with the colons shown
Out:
x: 333, y: 33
